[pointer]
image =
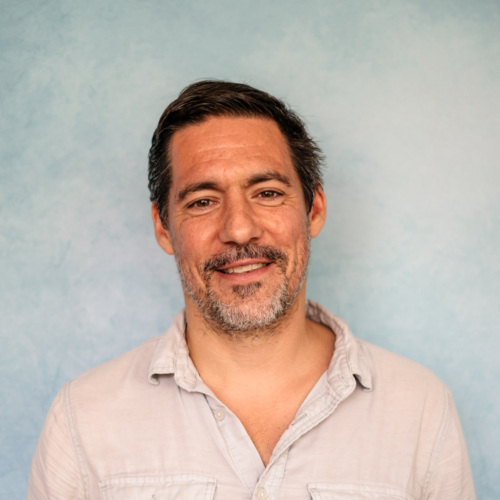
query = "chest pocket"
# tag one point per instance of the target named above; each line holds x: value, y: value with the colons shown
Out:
x: 175, y: 487
x: 360, y: 491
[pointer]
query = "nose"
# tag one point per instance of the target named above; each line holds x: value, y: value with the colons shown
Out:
x: 239, y: 225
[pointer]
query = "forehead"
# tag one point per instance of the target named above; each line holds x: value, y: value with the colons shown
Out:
x: 228, y: 145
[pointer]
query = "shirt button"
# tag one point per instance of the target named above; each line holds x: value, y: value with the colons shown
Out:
x: 262, y: 494
x: 219, y: 414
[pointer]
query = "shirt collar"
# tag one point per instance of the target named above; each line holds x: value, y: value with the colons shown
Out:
x: 349, y: 360
x: 171, y: 356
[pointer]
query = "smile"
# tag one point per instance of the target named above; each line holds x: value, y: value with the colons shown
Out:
x: 243, y: 269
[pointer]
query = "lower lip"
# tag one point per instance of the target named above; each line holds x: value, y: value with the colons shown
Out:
x: 246, y: 277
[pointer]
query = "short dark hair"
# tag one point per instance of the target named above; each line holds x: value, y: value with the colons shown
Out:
x: 207, y: 98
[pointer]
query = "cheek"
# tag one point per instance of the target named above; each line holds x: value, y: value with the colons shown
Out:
x: 191, y: 232
x: 194, y: 239
x: 289, y: 229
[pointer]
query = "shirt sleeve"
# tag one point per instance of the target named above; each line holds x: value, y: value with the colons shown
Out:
x: 452, y: 476
x: 55, y: 472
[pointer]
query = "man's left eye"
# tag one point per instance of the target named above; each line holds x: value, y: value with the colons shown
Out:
x: 269, y: 194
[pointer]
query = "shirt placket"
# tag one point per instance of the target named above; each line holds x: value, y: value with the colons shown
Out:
x: 244, y: 456
x: 323, y: 400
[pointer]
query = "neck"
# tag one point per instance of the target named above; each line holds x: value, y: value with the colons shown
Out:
x: 272, y: 355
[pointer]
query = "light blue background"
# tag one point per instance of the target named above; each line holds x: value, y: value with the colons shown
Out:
x: 404, y: 98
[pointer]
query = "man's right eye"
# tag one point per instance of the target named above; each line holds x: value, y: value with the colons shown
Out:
x: 203, y: 203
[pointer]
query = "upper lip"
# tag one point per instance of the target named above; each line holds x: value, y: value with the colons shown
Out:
x: 245, y: 262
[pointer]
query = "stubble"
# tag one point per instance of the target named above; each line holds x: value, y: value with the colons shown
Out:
x: 246, y: 312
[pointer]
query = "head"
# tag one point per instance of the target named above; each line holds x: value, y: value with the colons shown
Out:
x: 236, y: 191
x: 205, y: 99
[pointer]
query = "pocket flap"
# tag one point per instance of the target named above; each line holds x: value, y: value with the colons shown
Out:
x: 360, y: 491
x: 178, y: 487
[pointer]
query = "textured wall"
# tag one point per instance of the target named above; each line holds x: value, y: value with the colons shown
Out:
x: 403, y: 97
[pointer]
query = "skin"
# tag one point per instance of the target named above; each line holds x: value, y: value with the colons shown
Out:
x: 233, y: 184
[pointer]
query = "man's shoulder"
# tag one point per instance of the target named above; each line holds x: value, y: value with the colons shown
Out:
x: 374, y: 365
x: 129, y: 368
x: 396, y: 374
x: 135, y: 366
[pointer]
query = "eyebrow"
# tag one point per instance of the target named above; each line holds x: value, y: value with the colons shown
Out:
x: 270, y: 175
x: 213, y: 186
x: 194, y: 187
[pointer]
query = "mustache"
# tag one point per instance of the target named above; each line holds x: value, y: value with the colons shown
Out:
x: 251, y: 251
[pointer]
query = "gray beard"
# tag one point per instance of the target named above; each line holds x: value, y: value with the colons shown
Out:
x: 240, y: 317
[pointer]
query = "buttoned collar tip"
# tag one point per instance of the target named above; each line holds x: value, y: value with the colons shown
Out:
x: 164, y: 360
x: 348, y: 360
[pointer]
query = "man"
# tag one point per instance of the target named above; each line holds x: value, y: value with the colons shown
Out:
x: 253, y: 392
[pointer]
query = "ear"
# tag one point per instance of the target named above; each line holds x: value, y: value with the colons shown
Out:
x: 317, y: 215
x: 163, y: 236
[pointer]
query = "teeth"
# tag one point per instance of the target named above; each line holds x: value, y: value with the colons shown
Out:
x: 243, y: 269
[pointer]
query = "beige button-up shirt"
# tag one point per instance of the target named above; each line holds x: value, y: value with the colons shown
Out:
x: 145, y: 426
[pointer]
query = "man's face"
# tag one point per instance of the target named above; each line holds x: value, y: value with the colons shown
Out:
x: 237, y: 222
